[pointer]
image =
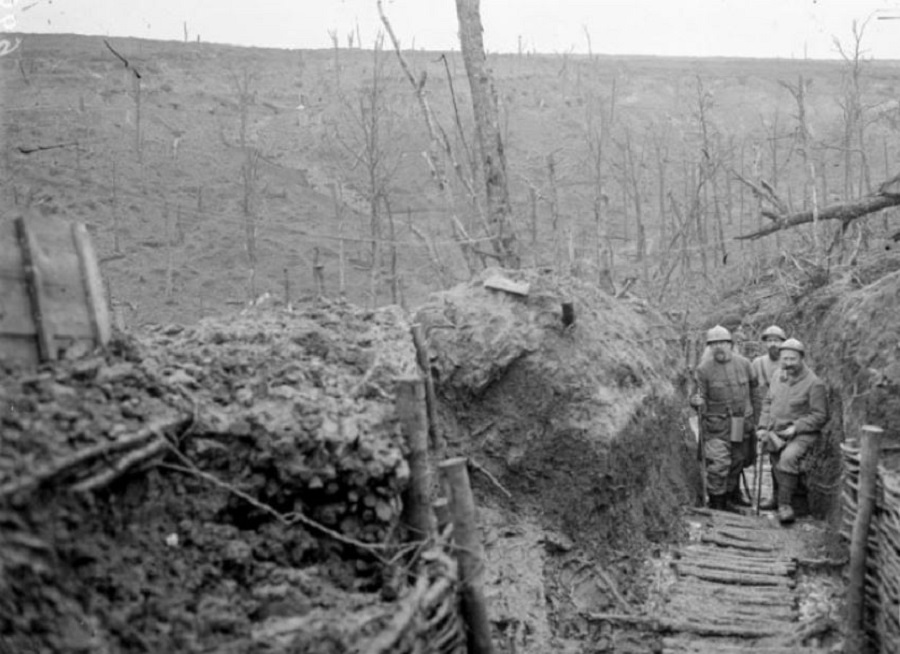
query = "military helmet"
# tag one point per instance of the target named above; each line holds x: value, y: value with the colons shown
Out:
x: 792, y: 344
x: 718, y: 334
x: 776, y: 331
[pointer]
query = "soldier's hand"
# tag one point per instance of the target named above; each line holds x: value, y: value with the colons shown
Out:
x: 697, y: 401
x: 788, y: 432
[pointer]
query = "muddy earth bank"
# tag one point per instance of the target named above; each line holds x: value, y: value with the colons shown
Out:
x: 263, y: 511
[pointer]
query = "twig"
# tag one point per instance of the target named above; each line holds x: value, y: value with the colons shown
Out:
x: 614, y: 589
x: 286, y: 519
x: 121, y: 466
x: 480, y: 468
x: 123, y: 60
x: 61, y: 468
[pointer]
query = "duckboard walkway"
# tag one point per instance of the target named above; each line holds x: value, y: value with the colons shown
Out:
x: 735, y: 589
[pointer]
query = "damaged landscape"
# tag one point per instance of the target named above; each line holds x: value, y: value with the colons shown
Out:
x: 231, y: 472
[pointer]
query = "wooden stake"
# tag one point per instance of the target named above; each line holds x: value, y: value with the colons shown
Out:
x: 35, y: 283
x: 441, y: 508
x: 870, y: 446
x: 414, y: 425
x: 423, y: 358
x: 469, y: 554
x: 93, y: 284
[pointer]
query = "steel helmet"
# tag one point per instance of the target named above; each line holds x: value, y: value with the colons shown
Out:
x: 718, y: 334
x: 793, y: 344
x: 776, y: 331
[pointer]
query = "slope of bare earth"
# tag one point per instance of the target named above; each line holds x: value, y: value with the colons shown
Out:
x: 171, y: 226
x: 272, y: 421
x: 582, y: 426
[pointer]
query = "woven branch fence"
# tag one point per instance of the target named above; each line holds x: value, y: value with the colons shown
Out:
x: 881, y: 614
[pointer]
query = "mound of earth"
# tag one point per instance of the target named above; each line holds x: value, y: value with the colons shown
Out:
x: 236, y: 485
x: 262, y: 528
x: 584, y: 428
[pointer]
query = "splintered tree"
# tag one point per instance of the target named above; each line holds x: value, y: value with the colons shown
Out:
x: 487, y: 130
x: 368, y: 132
x: 243, y: 87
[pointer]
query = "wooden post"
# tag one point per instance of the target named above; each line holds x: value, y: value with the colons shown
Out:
x: 870, y: 446
x: 93, y: 284
x: 441, y: 508
x: 35, y: 283
x: 470, y: 555
x: 414, y: 425
x: 418, y: 336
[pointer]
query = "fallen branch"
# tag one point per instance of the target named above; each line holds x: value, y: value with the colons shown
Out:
x: 71, y: 464
x: 487, y: 473
x: 614, y: 589
x: 844, y: 211
x: 123, y: 465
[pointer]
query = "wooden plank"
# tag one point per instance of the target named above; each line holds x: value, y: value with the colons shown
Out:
x: 93, y: 285
x: 716, y: 550
x: 67, y: 315
x: 736, y: 544
x: 706, y: 590
x: 35, y: 284
x: 781, y: 570
x: 740, y: 533
x: 741, y: 579
x: 734, y: 611
x: 725, y: 558
x: 500, y: 283
x: 681, y: 645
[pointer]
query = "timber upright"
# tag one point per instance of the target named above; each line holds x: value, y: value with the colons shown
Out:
x: 725, y: 397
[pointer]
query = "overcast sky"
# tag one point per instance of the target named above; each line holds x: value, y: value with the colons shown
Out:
x: 743, y: 28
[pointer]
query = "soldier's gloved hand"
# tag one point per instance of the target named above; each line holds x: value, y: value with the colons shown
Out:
x: 697, y: 401
x: 788, y: 432
x: 773, y: 443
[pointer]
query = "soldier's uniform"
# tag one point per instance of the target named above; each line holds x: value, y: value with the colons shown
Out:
x: 793, y: 414
x: 728, y: 390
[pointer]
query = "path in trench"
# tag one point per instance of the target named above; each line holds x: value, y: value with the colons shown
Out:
x: 735, y: 589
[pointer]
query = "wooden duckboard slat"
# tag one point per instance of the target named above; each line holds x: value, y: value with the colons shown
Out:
x: 738, y: 578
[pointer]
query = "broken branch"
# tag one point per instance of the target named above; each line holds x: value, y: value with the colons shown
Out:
x: 844, y: 211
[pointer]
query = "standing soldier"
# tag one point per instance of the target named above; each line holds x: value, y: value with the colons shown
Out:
x: 725, y: 396
x: 766, y: 366
x: 793, y: 414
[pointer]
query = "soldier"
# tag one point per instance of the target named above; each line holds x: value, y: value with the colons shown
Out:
x: 725, y: 395
x: 766, y: 366
x: 793, y: 414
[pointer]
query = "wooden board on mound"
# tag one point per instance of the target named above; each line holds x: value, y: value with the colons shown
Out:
x: 51, y: 293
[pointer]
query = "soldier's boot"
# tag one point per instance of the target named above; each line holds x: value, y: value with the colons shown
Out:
x: 771, y: 504
x: 787, y: 484
x: 717, y: 502
x: 737, y: 498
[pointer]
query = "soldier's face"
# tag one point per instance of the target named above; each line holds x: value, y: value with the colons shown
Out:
x: 791, y: 361
x: 772, y: 343
x: 721, y: 351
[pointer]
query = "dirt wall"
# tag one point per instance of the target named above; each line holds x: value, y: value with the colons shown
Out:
x: 582, y: 425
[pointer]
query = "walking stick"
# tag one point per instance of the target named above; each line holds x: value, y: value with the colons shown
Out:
x: 701, y: 452
x: 758, y: 469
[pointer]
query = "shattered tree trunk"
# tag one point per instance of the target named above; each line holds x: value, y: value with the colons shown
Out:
x: 845, y: 212
x: 487, y: 129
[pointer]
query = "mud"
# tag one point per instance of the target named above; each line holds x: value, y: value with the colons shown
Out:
x: 270, y: 519
x: 288, y: 413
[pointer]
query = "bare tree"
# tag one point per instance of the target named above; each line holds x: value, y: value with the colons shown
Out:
x: 243, y: 85
x: 487, y: 129
x: 369, y: 135
x: 440, y: 157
